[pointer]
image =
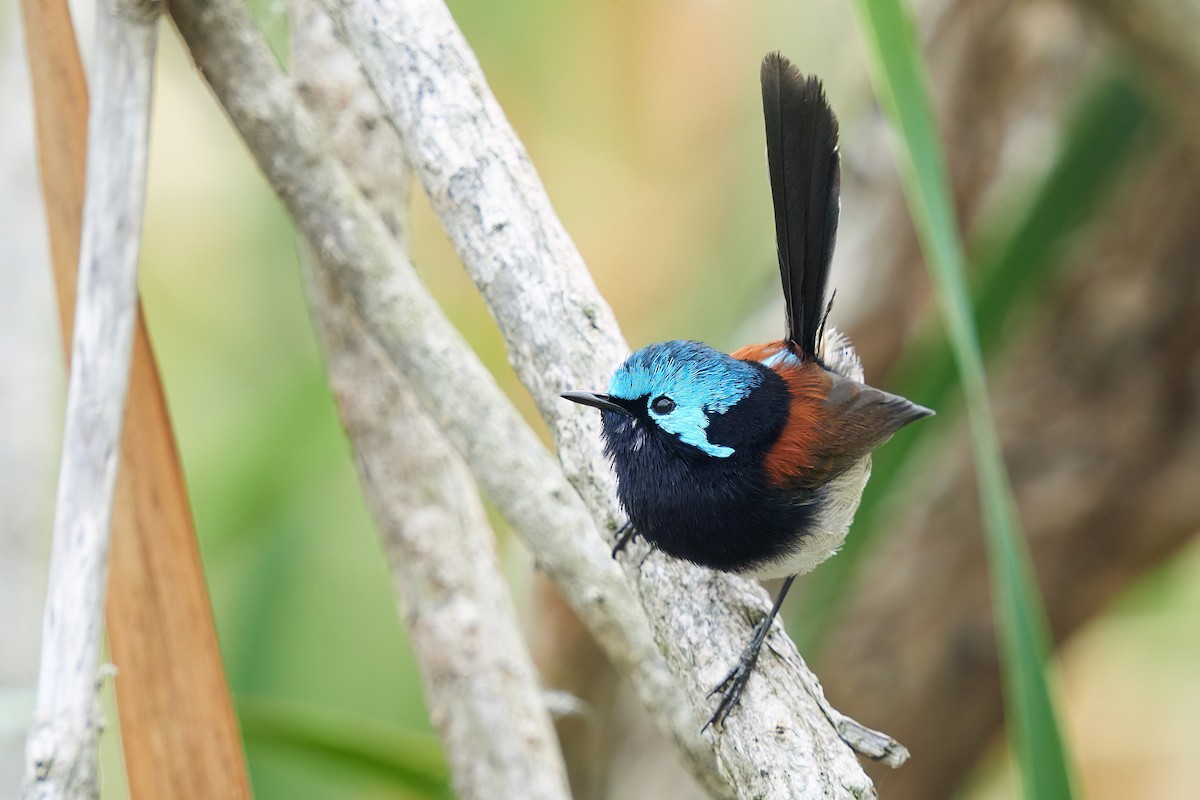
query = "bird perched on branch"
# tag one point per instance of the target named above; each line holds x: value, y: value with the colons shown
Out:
x: 755, y: 462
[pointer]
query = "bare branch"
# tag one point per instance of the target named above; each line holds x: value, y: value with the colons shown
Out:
x: 507, y: 459
x: 336, y: 94
x: 61, y: 753
x: 170, y: 686
x: 477, y: 672
x: 561, y: 334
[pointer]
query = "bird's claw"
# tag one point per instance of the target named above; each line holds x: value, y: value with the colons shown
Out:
x: 730, y: 688
x: 734, y: 683
x: 625, y: 534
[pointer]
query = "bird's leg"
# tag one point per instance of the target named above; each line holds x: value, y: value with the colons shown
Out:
x: 625, y: 534
x: 731, y: 686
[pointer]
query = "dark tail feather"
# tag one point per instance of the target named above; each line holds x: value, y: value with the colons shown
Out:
x: 802, y: 156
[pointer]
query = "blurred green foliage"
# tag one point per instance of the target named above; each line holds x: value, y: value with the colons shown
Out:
x: 305, y: 610
x: 1022, y: 632
x: 1101, y: 142
x: 650, y: 148
x: 303, y: 600
x: 354, y: 747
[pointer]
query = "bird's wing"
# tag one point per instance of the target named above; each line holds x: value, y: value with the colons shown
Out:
x: 832, y: 423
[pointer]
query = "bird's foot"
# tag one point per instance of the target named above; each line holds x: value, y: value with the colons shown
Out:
x: 625, y: 534
x: 734, y: 683
x: 730, y: 689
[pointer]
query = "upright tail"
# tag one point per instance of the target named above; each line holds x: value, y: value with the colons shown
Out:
x: 802, y: 157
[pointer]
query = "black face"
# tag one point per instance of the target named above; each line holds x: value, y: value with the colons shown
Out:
x: 750, y: 426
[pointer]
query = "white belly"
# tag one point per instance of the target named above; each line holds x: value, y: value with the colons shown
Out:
x: 843, y: 492
x: 829, y: 529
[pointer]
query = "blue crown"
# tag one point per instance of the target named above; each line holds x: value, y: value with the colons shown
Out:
x: 700, y: 380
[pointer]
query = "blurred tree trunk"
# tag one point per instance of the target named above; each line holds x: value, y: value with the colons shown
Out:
x: 1097, y: 407
x: 1163, y: 36
x: 1096, y: 403
x: 1001, y: 74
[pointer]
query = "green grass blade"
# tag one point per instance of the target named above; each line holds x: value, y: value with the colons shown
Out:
x: 405, y: 758
x: 1103, y: 136
x: 1020, y: 620
x: 1100, y: 140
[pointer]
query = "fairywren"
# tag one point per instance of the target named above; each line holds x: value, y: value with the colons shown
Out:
x: 755, y: 462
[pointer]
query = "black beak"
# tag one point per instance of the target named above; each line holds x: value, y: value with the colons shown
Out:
x: 597, y: 400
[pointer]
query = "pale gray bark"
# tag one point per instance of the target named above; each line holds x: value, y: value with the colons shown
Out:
x: 509, y: 462
x: 700, y: 615
x: 479, y: 682
x: 478, y: 676
x: 61, y: 752
x: 561, y: 334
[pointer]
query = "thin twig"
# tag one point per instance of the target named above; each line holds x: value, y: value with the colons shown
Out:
x: 477, y: 674
x: 169, y: 686
x: 479, y: 678
x: 561, y: 334
x: 61, y: 752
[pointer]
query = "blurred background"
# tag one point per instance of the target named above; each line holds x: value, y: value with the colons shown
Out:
x: 1072, y: 145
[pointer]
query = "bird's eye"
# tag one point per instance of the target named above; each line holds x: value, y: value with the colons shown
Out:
x: 662, y: 405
